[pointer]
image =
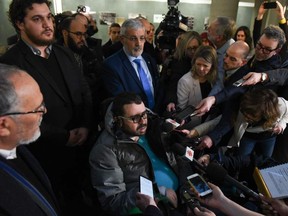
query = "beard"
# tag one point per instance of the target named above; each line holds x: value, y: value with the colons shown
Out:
x: 38, y: 41
x: 35, y: 136
x: 73, y: 46
x: 32, y: 139
x: 137, y: 132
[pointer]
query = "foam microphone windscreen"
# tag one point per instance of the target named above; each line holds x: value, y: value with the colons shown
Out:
x: 216, y: 172
x: 178, y: 149
x: 167, y: 127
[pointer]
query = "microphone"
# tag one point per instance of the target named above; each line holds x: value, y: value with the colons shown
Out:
x: 169, y: 125
x: 214, y: 171
x: 185, y: 152
x: 217, y: 173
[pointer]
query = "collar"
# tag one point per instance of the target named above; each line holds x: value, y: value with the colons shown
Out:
x: 36, y: 51
x: 230, y: 72
x: 222, y: 49
x: 8, y: 154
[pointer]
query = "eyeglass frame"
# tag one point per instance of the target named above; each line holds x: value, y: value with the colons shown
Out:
x: 141, y: 116
x: 78, y: 34
x: 134, y: 38
x: 266, y: 51
x: 35, y: 111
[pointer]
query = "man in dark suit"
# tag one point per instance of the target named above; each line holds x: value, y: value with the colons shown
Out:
x: 122, y: 72
x: 21, y: 111
x: 114, y: 36
x: 66, y: 94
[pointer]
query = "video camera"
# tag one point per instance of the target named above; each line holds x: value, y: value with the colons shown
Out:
x: 171, y: 25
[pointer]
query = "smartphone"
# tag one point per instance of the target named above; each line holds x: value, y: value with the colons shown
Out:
x: 185, y: 113
x: 146, y: 186
x: 200, y: 185
x: 270, y: 5
x: 239, y: 82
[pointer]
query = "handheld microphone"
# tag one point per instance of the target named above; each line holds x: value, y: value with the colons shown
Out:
x: 169, y: 125
x: 214, y: 171
x: 186, y: 153
x: 217, y: 173
x: 183, y: 152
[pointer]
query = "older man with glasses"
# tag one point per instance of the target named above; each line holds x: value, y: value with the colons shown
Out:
x: 25, y: 188
x: 131, y: 70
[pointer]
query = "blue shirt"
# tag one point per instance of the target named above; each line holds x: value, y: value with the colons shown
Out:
x: 164, y: 175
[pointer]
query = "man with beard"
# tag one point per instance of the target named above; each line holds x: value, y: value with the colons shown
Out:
x: 66, y: 94
x: 94, y: 44
x: 21, y: 111
x: 126, y: 150
x: 74, y: 34
x: 131, y: 70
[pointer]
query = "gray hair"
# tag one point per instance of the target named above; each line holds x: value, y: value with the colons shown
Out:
x: 226, y: 27
x: 8, y: 96
x: 276, y: 33
x: 131, y: 24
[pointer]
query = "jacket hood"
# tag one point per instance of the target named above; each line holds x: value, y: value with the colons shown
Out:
x: 109, y: 120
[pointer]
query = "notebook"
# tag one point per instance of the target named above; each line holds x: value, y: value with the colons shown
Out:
x: 272, y: 181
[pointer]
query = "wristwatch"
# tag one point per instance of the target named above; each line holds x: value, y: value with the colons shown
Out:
x: 263, y: 77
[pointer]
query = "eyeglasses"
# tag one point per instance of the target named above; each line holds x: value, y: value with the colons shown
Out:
x: 259, y: 46
x: 134, y: 39
x: 136, y: 118
x: 40, y: 109
x: 79, y: 34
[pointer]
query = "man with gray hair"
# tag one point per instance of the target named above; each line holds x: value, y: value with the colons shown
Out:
x: 25, y: 188
x: 220, y: 33
x: 131, y: 70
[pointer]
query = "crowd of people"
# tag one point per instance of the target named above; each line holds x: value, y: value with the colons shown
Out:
x: 95, y: 115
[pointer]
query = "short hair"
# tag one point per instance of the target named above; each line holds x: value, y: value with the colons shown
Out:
x: 225, y: 27
x: 209, y: 54
x: 8, y: 96
x: 185, y: 39
x: 262, y: 104
x: 18, y: 10
x: 131, y: 24
x: 276, y: 33
x: 115, y: 25
x: 124, y: 99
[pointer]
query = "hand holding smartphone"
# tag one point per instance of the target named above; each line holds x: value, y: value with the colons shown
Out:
x: 239, y: 82
x: 200, y: 185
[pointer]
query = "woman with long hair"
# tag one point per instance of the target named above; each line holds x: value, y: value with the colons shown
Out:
x: 197, y: 83
x: 179, y: 65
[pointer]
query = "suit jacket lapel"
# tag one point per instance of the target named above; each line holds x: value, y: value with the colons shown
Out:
x: 37, y: 67
x: 130, y: 69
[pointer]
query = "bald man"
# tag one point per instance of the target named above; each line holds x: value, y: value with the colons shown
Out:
x: 235, y: 57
